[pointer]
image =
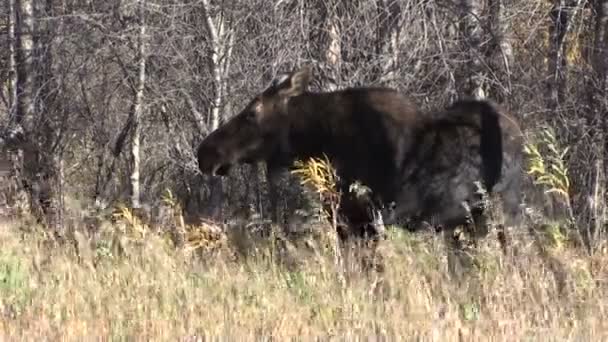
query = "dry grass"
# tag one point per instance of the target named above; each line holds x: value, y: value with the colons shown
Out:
x: 117, y: 285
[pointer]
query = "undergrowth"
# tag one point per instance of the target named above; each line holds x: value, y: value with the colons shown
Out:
x: 114, y: 286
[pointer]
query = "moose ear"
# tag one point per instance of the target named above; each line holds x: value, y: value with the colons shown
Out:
x: 297, y: 82
x: 281, y: 81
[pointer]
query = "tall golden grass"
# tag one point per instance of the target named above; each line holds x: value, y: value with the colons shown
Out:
x: 114, y: 286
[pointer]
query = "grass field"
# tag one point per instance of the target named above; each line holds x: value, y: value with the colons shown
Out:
x: 121, y: 285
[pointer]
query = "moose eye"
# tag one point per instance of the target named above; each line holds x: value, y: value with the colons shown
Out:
x: 250, y: 115
x: 254, y: 111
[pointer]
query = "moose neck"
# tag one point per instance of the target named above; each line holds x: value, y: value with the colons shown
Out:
x: 342, y: 126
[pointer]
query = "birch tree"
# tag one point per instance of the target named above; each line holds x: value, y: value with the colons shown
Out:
x: 12, y: 50
x: 138, y: 103
x: 332, y: 54
x: 500, y: 52
x: 388, y: 37
x: 221, y: 40
x: 472, y: 32
x: 562, y: 13
x: 24, y: 113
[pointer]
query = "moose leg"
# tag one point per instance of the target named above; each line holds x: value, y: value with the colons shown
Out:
x: 377, y: 224
x: 273, y: 178
x: 457, y: 242
x: 362, y: 227
x: 363, y: 218
x: 510, y: 193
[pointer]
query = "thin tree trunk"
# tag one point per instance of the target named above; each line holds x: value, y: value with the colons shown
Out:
x: 602, y: 60
x: 598, y: 103
x: 25, y: 58
x: 472, y: 81
x: 33, y: 163
x: 23, y: 113
x: 137, y: 109
x: 452, y: 86
x: 221, y: 42
x: 333, y: 54
x: 48, y: 162
x: 557, y: 62
x: 325, y: 42
x: 12, y: 58
x: 561, y: 14
x: 501, y: 53
x: 221, y: 50
x: 601, y: 49
x: 387, y: 38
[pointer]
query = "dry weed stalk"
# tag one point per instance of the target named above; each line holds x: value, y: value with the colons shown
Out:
x: 322, y: 176
x: 205, y: 235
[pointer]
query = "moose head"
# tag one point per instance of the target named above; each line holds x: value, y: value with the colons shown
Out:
x: 259, y: 132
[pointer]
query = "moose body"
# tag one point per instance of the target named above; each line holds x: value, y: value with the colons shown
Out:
x: 426, y: 164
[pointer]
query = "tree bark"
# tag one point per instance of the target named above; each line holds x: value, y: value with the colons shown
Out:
x: 138, y: 108
x: 600, y: 62
x: 387, y: 38
x: 47, y: 109
x: 501, y: 52
x: 12, y: 58
x: 601, y: 34
x: 597, y: 121
x: 473, y: 80
x: 333, y: 54
x: 25, y: 155
x: 34, y: 162
x: 222, y: 42
x: 561, y: 15
x: 221, y: 49
x: 25, y: 57
x: 324, y: 43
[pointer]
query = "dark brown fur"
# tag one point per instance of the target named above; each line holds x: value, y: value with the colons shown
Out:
x: 426, y: 163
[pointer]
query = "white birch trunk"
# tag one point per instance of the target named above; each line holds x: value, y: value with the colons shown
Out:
x: 562, y: 14
x: 23, y: 107
x: 221, y: 50
x: 503, y: 50
x: 222, y: 41
x: 472, y: 32
x: 333, y: 55
x: 137, y: 109
x: 388, y: 39
x: 12, y: 59
x: 25, y: 72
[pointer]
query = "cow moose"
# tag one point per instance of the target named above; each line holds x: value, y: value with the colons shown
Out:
x: 428, y: 165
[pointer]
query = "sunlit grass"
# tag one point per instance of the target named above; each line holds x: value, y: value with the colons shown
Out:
x: 150, y: 289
